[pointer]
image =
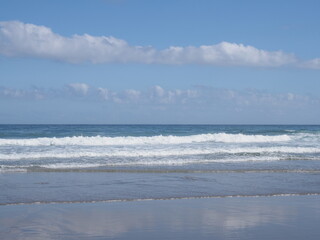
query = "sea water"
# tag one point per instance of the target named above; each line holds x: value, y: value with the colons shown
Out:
x: 87, y: 163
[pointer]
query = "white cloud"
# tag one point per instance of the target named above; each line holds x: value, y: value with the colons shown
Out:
x: 312, y: 64
x: 20, y: 39
x: 132, y: 94
x: 157, y: 91
x: 32, y: 94
x: 226, y: 53
x: 103, y: 93
x: 78, y: 88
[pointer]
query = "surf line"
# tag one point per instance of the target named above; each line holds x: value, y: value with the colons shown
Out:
x: 161, y: 199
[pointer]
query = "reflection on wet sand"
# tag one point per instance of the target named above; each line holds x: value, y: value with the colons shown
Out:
x: 226, y: 218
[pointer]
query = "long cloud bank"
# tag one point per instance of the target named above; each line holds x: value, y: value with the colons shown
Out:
x: 18, y: 39
x: 158, y: 96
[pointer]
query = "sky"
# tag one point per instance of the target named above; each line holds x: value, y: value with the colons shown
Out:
x: 159, y: 62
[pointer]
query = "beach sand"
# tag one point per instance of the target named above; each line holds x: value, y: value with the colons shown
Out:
x: 280, y: 217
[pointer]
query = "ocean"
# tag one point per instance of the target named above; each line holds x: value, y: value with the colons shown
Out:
x: 103, y: 163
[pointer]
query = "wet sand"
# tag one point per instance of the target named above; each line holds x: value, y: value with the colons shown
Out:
x: 281, y: 217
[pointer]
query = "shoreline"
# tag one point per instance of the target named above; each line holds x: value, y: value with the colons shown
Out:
x: 160, y: 199
x: 279, y: 217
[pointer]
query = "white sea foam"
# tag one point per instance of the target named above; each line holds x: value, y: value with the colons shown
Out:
x: 152, y: 140
x: 140, y: 162
x: 109, y: 153
x: 162, y: 162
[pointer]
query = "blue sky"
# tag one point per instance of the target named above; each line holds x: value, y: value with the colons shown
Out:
x: 125, y: 61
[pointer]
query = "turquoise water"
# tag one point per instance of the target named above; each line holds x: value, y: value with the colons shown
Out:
x: 79, y: 163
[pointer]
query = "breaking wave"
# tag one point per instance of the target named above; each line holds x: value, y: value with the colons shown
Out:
x: 142, y: 140
x: 156, y: 153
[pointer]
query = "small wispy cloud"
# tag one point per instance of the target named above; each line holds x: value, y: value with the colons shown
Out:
x: 30, y: 94
x: 78, y: 88
x: 312, y: 64
x: 18, y: 39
